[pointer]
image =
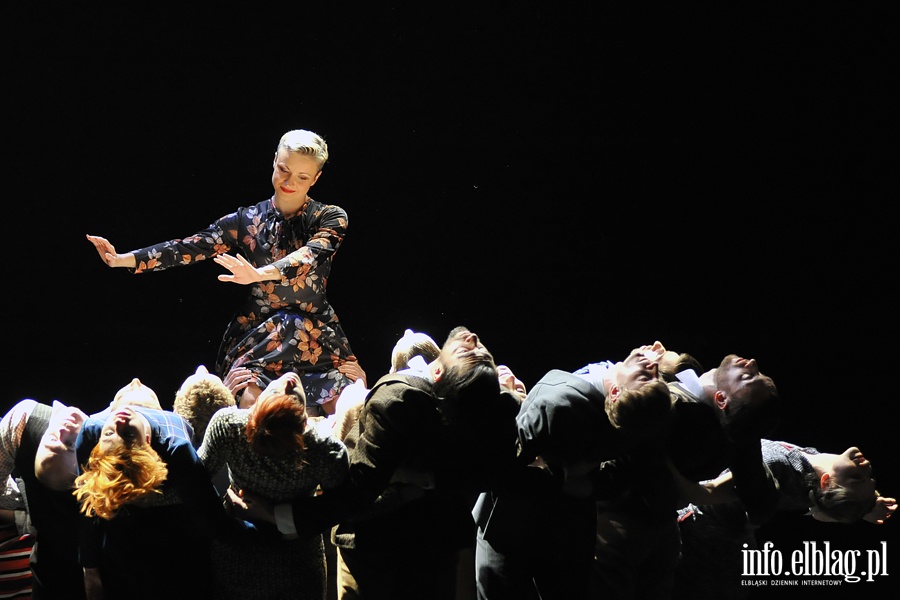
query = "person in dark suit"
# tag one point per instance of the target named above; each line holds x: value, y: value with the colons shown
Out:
x: 535, y: 534
x: 37, y: 447
x: 149, y: 506
x: 450, y: 430
x: 719, y: 416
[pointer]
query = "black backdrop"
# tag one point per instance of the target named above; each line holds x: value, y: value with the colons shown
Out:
x: 538, y: 174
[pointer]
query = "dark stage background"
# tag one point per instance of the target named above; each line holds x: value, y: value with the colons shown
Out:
x: 567, y: 183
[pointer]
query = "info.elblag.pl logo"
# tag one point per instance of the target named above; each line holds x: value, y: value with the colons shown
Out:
x: 814, y: 560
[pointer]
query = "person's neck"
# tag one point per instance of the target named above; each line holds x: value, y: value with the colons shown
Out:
x: 610, y: 375
x: 821, y: 463
x: 708, y: 381
x: 290, y: 209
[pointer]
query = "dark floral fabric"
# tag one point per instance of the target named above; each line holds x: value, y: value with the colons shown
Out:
x: 285, y: 325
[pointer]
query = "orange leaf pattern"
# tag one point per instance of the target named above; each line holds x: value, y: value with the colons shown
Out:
x: 282, y: 325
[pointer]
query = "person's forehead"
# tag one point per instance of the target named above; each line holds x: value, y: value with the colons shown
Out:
x: 454, y: 341
x: 295, y: 158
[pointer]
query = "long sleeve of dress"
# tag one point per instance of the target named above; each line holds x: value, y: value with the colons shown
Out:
x: 323, y: 230
x: 282, y: 325
x: 300, y: 247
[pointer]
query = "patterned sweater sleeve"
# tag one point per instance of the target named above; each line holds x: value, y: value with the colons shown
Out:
x: 213, y: 452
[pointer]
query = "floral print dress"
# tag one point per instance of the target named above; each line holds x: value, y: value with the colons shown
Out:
x: 285, y: 325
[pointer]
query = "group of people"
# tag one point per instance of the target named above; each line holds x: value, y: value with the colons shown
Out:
x: 588, y: 484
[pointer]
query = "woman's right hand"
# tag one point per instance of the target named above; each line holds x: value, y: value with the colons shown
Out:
x: 108, y: 253
x: 352, y: 371
x: 237, y: 379
x: 249, y: 507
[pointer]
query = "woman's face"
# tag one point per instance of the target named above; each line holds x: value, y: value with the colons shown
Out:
x: 289, y: 383
x: 126, y: 427
x: 292, y: 176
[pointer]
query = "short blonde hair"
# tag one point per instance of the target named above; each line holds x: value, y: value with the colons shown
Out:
x: 413, y: 343
x: 121, y: 476
x: 306, y: 143
x: 136, y: 394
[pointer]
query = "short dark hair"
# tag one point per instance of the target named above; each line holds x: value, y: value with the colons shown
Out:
x: 478, y: 432
x: 462, y: 384
x: 752, y: 416
x: 685, y: 362
x: 644, y: 412
x: 838, y: 502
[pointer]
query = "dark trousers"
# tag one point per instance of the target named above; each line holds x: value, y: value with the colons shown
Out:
x: 511, y: 574
x: 388, y: 574
x: 636, y: 556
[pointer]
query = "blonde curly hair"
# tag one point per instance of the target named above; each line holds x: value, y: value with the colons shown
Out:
x: 118, y: 477
x: 199, y: 397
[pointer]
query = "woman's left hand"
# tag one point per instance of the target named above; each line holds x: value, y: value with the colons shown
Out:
x: 242, y: 271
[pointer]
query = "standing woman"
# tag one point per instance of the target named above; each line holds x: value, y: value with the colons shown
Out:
x: 271, y: 450
x: 282, y: 249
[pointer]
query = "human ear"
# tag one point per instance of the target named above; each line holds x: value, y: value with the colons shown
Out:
x: 824, y: 481
x: 316, y: 178
x: 721, y: 400
x: 614, y: 392
x: 437, y: 372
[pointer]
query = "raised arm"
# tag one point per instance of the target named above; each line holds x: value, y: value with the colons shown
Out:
x: 109, y: 255
x: 218, y: 238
